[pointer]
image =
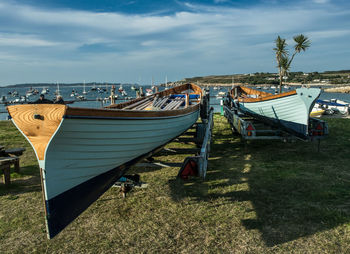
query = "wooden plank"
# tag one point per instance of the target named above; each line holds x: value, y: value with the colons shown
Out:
x: 136, y: 103
x: 15, y: 151
x: 171, y: 104
x: 145, y: 105
x: 90, y: 112
x: 178, y: 105
x: 155, y: 100
x: 162, y: 103
x: 142, y: 106
x: 175, y: 90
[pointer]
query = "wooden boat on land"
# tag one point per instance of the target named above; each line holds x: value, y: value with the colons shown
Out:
x: 83, y: 151
x: 289, y: 111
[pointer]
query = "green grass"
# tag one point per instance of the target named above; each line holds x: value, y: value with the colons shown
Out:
x: 268, y: 196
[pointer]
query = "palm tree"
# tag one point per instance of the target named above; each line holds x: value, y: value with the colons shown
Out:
x: 285, y: 67
x: 283, y: 62
x: 281, y: 52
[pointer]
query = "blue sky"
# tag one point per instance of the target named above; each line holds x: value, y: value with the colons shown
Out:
x: 133, y: 41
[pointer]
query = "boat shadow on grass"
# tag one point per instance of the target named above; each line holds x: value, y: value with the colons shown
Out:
x: 28, y: 180
x: 286, y: 190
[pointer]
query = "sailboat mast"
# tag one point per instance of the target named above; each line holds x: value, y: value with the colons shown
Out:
x: 58, y: 88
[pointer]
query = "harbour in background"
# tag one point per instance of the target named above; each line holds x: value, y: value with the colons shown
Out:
x: 98, y: 96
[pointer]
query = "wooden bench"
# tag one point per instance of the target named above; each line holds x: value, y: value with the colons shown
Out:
x: 5, y: 166
x: 14, y: 151
x: 9, y: 157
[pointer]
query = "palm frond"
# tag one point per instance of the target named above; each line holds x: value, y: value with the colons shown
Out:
x: 281, y: 47
x: 302, y: 43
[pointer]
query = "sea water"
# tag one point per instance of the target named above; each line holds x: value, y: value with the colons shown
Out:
x: 95, y: 99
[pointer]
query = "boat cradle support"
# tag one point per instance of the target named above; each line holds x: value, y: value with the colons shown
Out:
x: 197, y: 165
x: 127, y: 182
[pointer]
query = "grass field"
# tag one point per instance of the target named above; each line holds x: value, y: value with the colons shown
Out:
x: 264, y: 197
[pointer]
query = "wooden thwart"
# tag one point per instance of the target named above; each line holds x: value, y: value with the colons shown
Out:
x: 163, y: 103
x: 137, y: 103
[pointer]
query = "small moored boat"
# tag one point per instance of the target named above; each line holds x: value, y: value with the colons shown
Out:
x: 334, y: 106
x: 83, y: 151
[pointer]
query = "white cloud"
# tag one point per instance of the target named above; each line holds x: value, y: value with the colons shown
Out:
x: 321, y: 1
x: 209, y: 38
x: 20, y: 40
x: 326, y: 34
x: 220, y: 1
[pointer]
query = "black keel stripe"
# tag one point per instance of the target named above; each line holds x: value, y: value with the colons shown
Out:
x: 64, y: 208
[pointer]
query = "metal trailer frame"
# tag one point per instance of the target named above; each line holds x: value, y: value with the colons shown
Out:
x: 251, y: 128
x: 197, y: 165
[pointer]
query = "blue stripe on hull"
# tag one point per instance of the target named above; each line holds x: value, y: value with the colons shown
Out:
x: 64, y: 208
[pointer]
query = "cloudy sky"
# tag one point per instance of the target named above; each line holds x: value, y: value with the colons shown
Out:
x: 135, y: 40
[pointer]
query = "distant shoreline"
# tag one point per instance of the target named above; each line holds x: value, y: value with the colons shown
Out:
x: 285, y: 83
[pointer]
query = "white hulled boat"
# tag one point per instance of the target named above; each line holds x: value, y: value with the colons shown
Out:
x: 83, y: 151
x: 290, y: 110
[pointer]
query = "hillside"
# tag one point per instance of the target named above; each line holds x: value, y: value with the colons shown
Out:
x: 327, y: 77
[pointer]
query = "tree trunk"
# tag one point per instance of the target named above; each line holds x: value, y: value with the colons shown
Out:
x: 280, y: 86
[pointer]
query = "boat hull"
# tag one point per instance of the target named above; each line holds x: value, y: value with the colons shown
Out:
x: 290, y: 112
x: 86, y: 156
x: 83, y: 151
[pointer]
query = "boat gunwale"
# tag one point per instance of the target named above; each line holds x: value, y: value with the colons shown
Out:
x: 174, y: 90
x: 116, y: 111
x: 84, y: 113
x: 265, y: 96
